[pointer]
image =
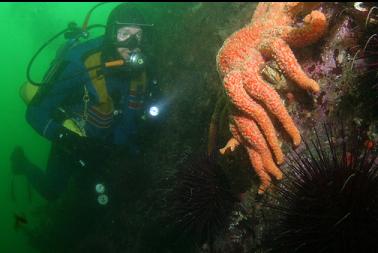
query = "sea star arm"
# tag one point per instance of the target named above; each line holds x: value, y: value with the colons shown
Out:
x: 260, y: 11
x: 254, y: 156
x: 257, y: 164
x: 314, y: 27
x: 231, y: 145
x: 233, y: 142
x: 257, y: 88
x: 254, y: 139
x: 284, y: 56
x: 233, y: 83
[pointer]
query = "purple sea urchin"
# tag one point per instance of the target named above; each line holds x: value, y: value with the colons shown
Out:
x: 329, y: 200
x: 202, y: 199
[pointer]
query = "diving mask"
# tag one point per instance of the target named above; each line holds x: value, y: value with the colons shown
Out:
x: 128, y: 37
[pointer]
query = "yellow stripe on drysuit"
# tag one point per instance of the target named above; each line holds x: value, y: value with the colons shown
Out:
x: 98, y: 81
x: 137, y: 86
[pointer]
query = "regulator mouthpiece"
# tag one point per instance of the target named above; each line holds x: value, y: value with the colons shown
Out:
x: 136, y: 60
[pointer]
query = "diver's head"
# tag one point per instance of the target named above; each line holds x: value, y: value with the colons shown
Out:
x: 124, y: 34
x: 128, y: 40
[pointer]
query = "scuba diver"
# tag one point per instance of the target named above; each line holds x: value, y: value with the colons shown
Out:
x: 91, y: 104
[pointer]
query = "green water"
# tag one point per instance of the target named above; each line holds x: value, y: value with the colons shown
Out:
x: 25, y: 27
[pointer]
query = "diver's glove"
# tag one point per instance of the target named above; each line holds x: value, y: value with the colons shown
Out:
x: 68, y: 139
x: 84, y: 151
x: 73, y: 145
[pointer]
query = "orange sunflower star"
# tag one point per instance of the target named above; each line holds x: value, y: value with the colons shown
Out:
x: 270, y: 35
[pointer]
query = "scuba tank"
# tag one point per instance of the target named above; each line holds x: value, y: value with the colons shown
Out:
x: 72, y: 34
x: 30, y: 88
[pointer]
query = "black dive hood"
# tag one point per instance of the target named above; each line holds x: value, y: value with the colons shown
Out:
x: 121, y: 16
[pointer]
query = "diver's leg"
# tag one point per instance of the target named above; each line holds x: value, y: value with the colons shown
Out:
x: 58, y: 172
x: 53, y: 182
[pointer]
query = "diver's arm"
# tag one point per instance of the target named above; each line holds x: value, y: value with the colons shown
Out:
x: 41, y: 114
x: 126, y: 130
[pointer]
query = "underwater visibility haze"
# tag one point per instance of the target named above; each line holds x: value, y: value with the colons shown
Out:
x: 189, y: 127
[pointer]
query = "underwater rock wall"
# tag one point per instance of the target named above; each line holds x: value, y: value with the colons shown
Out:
x: 187, y: 43
x: 191, y: 66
